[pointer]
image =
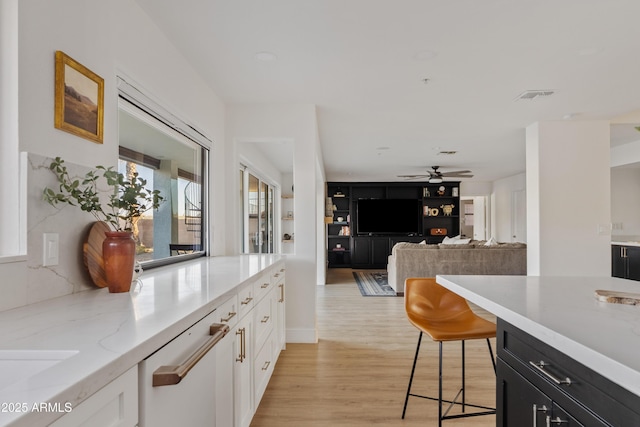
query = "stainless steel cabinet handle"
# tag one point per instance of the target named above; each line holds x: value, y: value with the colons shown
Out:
x: 281, y: 286
x: 246, y: 301
x: 265, y: 319
x: 556, y: 420
x: 266, y: 365
x: 540, y: 367
x: 173, y: 374
x: 229, y: 317
x: 543, y: 408
x: 264, y: 285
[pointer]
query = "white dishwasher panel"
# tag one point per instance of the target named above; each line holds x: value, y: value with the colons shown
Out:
x: 189, y: 362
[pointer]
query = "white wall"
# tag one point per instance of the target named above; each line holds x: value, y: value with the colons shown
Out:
x: 298, y: 124
x: 568, y: 198
x: 122, y: 40
x: 108, y: 38
x: 625, y: 203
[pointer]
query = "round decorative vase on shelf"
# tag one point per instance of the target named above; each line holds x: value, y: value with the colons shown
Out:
x: 118, y: 254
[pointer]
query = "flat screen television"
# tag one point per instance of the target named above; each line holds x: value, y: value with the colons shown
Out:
x: 388, y: 216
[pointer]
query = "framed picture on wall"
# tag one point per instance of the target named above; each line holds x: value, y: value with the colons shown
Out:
x: 79, y: 99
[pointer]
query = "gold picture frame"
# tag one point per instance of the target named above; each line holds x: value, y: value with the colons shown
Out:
x: 79, y: 99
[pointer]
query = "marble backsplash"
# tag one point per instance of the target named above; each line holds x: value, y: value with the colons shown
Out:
x: 72, y: 226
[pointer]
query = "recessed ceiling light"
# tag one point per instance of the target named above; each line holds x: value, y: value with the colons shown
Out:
x: 382, y: 148
x: 425, y: 55
x: 265, y: 56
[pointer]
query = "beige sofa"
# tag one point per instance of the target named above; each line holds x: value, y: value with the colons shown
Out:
x: 420, y: 260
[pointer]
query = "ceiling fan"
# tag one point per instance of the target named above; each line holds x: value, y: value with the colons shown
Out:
x: 436, y: 177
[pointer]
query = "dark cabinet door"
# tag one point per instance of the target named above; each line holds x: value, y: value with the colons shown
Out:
x: 519, y: 402
x: 361, y: 253
x: 633, y: 262
x: 618, y: 262
x: 370, y: 252
x: 379, y: 251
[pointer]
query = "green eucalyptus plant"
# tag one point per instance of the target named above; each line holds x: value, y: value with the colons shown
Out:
x: 127, y: 202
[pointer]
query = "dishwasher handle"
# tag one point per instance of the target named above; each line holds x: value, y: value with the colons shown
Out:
x: 173, y: 374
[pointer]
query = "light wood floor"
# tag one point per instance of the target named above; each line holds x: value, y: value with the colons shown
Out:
x: 358, y: 372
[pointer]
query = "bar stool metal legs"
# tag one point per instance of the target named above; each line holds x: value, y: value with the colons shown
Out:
x: 461, y: 393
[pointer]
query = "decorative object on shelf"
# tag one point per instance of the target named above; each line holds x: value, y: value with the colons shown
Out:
x: 438, y: 231
x: 344, y: 231
x: 425, y: 192
x: 127, y: 201
x: 441, y: 190
x: 616, y: 297
x: 434, y: 211
x: 119, y: 253
x: 447, y: 209
x: 338, y: 194
x: 454, y: 191
x: 328, y: 206
x: 79, y: 99
x: 92, y: 249
x: 425, y: 210
x: 340, y: 219
x: 338, y: 245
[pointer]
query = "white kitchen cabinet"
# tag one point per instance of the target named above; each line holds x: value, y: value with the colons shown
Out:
x: 177, y: 382
x: 262, y: 369
x: 226, y: 313
x: 115, y: 405
x: 243, y: 372
x: 279, y: 311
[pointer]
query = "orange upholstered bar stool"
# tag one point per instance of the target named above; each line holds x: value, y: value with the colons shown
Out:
x: 444, y: 316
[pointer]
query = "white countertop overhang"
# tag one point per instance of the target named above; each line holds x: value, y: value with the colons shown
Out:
x: 564, y: 313
x: 113, y: 332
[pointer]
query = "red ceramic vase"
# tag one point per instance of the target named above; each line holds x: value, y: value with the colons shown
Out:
x: 118, y: 255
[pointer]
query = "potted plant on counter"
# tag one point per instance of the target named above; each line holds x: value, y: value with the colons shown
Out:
x: 127, y: 201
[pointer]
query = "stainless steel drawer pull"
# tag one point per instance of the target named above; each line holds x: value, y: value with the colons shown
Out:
x: 266, y: 365
x: 281, y: 286
x: 246, y: 301
x: 265, y: 319
x: 543, y: 408
x: 264, y: 285
x: 229, y: 317
x: 540, y: 367
x: 556, y: 420
x: 173, y: 374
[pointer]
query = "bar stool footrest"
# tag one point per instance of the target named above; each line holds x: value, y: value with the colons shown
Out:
x: 490, y: 410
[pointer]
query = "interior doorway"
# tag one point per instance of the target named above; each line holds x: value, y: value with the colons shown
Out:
x: 473, y: 218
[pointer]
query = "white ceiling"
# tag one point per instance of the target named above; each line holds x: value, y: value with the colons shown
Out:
x: 363, y: 62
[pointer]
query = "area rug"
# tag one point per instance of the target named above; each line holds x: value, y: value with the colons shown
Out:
x: 373, y: 284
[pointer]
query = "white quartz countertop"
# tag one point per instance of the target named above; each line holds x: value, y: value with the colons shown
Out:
x: 113, y: 332
x: 564, y: 313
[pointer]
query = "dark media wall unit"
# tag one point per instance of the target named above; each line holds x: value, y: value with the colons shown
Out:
x: 369, y: 218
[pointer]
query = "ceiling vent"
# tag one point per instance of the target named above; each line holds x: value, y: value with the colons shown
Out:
x: 530, y: 95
